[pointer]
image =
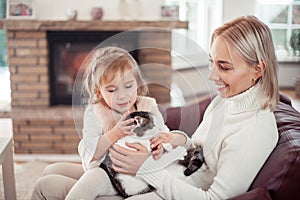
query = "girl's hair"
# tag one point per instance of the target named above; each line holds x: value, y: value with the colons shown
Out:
x: 105, y: 63
x: 253, y: 41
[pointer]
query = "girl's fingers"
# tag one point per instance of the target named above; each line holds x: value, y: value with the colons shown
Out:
x: 125, y: 115
x: 156, y: 142
x: 157, y: 149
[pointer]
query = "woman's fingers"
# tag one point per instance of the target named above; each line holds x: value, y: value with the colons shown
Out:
x: 128, y: 161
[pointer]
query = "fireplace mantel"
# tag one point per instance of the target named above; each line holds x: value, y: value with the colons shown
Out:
x: 93, y: 25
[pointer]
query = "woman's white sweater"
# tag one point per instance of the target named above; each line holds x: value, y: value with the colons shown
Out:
x: 237, y: 138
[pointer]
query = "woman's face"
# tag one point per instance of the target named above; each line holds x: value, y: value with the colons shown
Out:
x: 230, y: 73
x: 120, y: 94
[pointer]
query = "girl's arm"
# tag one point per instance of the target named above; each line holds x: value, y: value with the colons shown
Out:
x: 174, y: 138
x: 94, y: 144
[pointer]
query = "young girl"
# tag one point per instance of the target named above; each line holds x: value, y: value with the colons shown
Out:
x: 114, y: 87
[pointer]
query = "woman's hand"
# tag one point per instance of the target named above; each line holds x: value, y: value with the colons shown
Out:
x: 128, y: 161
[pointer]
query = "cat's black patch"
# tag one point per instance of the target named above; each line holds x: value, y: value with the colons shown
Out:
x: 143, y: 122
x: 193, y: 160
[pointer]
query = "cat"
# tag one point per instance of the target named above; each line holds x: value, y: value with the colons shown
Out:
x: 193, y: 160
x: 145, y: 129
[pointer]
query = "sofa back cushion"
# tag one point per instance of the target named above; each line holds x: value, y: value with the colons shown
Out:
x: 186, y: 118
x: 281, y: 172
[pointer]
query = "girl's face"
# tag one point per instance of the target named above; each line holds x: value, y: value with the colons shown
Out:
x: 231, y: 74
x: 120, y: 94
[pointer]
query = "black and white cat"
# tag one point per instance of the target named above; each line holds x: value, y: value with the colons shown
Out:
x: 145, y: 129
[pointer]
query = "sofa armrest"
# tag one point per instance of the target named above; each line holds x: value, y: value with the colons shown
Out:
x: 256, y: 194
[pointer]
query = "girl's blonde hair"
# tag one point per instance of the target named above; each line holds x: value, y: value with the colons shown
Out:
x: 105, y: 63
x: 253, y: 41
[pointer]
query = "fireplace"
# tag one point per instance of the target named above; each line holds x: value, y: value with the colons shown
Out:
x: 67, y: 50
x: 43, y: 123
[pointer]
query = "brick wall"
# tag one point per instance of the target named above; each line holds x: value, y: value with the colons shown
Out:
x: 43, y: 129
x: 28, y: 64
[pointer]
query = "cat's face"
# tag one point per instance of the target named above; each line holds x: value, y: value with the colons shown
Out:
x: 143, y: 121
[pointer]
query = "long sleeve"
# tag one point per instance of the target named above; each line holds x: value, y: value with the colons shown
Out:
x: 237, y: 138
x: 91, y: 134
x: 240, y: 161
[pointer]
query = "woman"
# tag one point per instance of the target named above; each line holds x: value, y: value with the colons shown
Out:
x: 243, y: 67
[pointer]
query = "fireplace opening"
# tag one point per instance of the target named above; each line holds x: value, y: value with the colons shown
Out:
x: 67, y: 50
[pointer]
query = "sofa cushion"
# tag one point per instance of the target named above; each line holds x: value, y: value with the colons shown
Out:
x: 256, y: 194
x: 281, y: 172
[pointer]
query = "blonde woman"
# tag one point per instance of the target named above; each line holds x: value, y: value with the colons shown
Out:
x: 238, y: 131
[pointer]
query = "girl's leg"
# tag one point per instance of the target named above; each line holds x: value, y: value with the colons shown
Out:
x: 72, y: 170
x: 94, y: 182
x: 57, y: 180
x: 52, y: 187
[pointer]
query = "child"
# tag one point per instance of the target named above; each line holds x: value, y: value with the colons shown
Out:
x: 115, y: 88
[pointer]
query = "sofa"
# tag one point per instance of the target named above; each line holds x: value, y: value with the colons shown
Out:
x: 279, y: 178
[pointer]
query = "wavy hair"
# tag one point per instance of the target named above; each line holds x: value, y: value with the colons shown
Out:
x: 104, y: 64
x: 253, y: 41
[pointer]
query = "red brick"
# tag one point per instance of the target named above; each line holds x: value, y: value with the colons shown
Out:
x: 31, y: 52
x: 22, y: 43
x: 23, y: 61
x: 30, y: 34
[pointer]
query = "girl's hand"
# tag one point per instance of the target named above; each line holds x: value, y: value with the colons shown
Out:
x: 157, y: 151
x: 175, y: 139
x: 128, y: 161
x: 123, y: 126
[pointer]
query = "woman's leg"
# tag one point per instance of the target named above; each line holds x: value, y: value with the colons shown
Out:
x: 57, y: 180
x: 94, y: 182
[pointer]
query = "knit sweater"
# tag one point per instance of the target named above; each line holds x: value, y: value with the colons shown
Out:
x: 98, y: 119
x: 237, y: 138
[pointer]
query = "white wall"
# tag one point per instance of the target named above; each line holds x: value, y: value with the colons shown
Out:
x: 57, y: 9
x: 236, y: 8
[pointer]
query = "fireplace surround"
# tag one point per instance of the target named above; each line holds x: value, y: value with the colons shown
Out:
x: 67, y: 50
x: 43, y: 126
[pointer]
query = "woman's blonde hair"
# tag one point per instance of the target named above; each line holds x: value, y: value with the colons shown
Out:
x: 253, y: 41
x: 104, y: 64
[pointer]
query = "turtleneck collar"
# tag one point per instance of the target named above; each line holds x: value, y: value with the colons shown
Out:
x: 244, y: 102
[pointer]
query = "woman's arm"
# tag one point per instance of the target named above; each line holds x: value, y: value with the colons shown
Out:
x: 129, y: 162
x: 239, y: 161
